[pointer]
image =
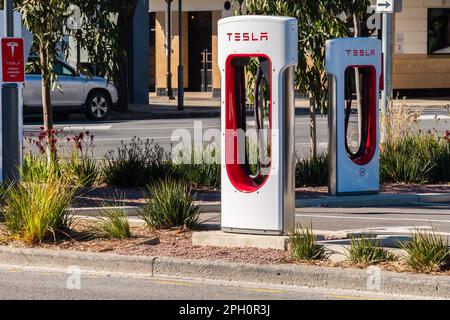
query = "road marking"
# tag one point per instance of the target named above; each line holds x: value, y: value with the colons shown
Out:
x: 264, y: 290
x: 369, y: 218
x: 433, y: 117
x: 85, y: 128
x: 174, y: 283
x: 353, y: 298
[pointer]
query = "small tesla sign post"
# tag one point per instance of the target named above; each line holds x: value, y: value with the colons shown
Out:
x: 385, y: 6
x: 13, y: 60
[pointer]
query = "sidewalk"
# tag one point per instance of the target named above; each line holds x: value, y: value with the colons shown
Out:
x: 201, y: 105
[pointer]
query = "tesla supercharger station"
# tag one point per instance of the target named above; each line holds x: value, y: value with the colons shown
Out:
x: 259, y: 200
x: 353, y: 63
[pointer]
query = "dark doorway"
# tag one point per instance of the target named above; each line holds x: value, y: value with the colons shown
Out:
x: 152, y: 53
x: 200, y: 32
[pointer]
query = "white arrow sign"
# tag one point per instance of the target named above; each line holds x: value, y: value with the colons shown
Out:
x: 385, y: 6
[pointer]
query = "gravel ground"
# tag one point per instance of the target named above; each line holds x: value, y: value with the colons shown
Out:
x: 104, y: 194
x: 177, y: 243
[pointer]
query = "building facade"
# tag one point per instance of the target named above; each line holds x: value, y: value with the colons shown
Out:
x: 421, y: 46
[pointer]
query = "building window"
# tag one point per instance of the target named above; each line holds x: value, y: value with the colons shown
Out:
x: 438, y: 31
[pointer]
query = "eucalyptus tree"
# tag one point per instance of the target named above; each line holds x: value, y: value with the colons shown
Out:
x: 46, y: 19
x: 103, y: 31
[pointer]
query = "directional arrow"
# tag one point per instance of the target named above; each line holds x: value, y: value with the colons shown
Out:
x: 385, y: 4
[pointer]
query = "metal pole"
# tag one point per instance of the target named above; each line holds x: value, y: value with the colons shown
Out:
x: 387, y: 60
x: 78, y: 50
x: 10, y: 112
x: 180, y: 57
x: 169, y: 50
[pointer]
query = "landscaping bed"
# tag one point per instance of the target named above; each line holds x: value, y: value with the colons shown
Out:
x: 105, y: 194
x: 177, y: 243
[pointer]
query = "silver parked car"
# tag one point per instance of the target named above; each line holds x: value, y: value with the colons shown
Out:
x: 93, y: 96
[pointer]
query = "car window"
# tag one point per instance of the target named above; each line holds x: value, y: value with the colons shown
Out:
x: 62, y: 70
x: 32, y: 68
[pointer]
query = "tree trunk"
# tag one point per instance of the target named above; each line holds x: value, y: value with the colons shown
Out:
x: 312, y: 128
x: 47, y: 109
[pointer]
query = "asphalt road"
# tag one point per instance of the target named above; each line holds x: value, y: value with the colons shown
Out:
x: 386, y: 220
x: 109, y: 134
x: 18, y: 283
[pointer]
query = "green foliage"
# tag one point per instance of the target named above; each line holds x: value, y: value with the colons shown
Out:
x: 46, y: 20
x: 171, y: 204
x: 82, y: 169
x: 365, y: 250
x: 415, y: 158
x: 113, y: 221
x: 303, y: 245
x: 136, y: 164
x: 312, y: 171
x: 37, y: 168
x: 319, y: 20
x: 36, y: 212
x: 427, y: 251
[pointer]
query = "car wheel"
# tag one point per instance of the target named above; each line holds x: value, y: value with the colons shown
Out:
x: 97, y: 106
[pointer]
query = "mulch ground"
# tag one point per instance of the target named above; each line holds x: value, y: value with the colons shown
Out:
x: 104, y: 195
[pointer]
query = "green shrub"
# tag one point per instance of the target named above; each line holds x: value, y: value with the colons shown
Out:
x: 36, y: 168
x: 113, y: 222
x: 35, y: 212
x: 406, y: 160
x: 440, y: 155
x: 199, y: 168
x: 171, y: 204
x: 136, y: 164
x: 312, y: 171
x: 427, y: 251
x: 82, y: 169
x: 303, y: 245
x: 367, y: 251
x: 201, y: 175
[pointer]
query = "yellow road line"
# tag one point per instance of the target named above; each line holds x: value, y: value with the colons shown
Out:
x: 353, y: 298
x: 265, y: 290
x: 175, y: 283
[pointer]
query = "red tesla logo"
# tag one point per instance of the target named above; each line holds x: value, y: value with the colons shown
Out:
x: 248, y: 36
x: 360, y: 52
x: 13, y: 60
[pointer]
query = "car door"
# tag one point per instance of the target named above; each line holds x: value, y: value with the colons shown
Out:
x: 71, y: 91
x: 32, y: 90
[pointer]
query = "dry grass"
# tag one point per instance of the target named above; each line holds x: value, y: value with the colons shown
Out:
x: 399, y: 120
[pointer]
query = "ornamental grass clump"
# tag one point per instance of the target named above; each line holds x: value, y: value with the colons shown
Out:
x: 171, y: 204
x: 366, y: 250
x: 37, y: 212
x: 311, y: 171
x: 427, y: 251
x: 303, y: 245
x: 113, y: 221
x: 136, y: 164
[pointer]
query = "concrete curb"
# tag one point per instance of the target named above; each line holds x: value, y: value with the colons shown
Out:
x: 297, y: 275
x: 372, y: 200
x: 330, y: 202
x: 133, y: 211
